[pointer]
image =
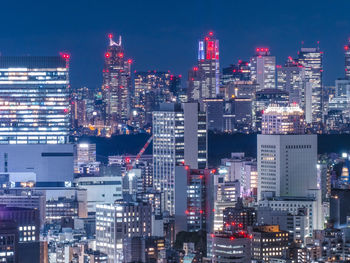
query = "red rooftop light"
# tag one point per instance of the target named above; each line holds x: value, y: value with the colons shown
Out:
x: 110, y: 35
x: 129, y: 61
x: 107, y: 54
x: 121, y: 55
x: 211, y: 33
x: 346, y: 47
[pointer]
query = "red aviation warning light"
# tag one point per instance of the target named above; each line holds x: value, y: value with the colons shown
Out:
x: 121, y: 55
x: 65, y: 56
x: 211, y: 33
x: 195, y: 69
x: 107, y: 54
x: 129, y: 60
x: 110, y: 35
x: 346, y: 48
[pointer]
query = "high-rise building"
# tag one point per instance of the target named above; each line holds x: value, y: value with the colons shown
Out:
x: 266, y: 97
x: 283, y: 120
x: 214, y: 109
x: 312, y: 61
x: 291, y: 78
x: 119, y: 221
x: 286, y: 165
x: 199, y: 200
x: 206, y: 84
x: 263, y: 69
x: 347, y: 60
x: 179, y: 138
x: 116, y: 83
x: 34, y: 102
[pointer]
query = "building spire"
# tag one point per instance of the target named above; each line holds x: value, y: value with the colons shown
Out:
x: 112, y: 43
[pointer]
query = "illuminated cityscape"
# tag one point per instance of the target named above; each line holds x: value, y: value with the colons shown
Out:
x: 129, y: 135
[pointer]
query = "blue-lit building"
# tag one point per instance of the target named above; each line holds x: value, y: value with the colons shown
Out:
x: 34, y: 100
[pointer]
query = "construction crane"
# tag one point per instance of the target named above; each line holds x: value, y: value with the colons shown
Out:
x: 131, y: 166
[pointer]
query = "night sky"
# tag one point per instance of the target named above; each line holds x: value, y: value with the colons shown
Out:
x: 163, y: 35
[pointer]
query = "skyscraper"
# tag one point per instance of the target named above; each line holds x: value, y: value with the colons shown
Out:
x: 291, y: 78
x: 283, y: 120
x: 116, y: 83
x: 180, y: 137
x: 311, y: 60
x: 286, y: 165
x: 263, y: 69
x: 347, y: 60
x: 34, y: 100
x: 208, y: 69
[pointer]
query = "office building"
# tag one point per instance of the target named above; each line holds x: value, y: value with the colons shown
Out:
x: 100, y: 189
x: 49, y: 162
x: 286, y: 165
x: 241, y: 168
x: 226, y: 194
x: 263, y: 100
x: 296, y: 223
x: 116, y: 83
x: 312, y: 61
x: 174, y: 143
x: 239, y: 218
x: 119, y: 221
x: 214, y: 109
x: 199, y: 200
x: 233, y: 248
x: 283, y: 120
x: 34, y: 101
x: 312, y: 202
x: 291, y: 78
x: 263, y: 69
x: 268, y: 242
x: 339, y: 208
x: 27, y: 221
x: 204, y: 79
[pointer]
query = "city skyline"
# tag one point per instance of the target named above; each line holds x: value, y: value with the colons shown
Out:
x: 171, y: 45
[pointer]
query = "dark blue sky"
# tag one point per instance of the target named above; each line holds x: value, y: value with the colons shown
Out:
x: 163, y: 34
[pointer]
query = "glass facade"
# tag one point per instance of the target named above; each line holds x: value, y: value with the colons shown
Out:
x: 34, y: 100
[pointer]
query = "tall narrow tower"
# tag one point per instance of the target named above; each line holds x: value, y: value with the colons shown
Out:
x: 116, y: 83
x: 347, y: 60
x: 208, y: 70
x: 311, y: 60
x: 263, y: 69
